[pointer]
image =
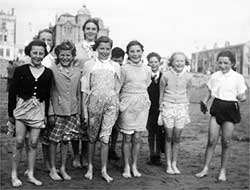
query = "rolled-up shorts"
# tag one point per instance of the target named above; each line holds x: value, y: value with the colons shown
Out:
x: 175, y: 115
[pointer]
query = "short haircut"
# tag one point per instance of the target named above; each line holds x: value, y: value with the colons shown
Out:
x: 67, y: 45
x: 102, y: 39
x: 117, y: 52
x: 47, y: 31
x: 229, y: 54
x: 171, y: 59
x: 133, y: 43
x: 36, y: 42
x: 153, y: 54
x: 91, y: 20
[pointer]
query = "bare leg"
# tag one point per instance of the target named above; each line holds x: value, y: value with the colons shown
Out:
x: 45, y: 149
x: 64, y: 151
x: 34, y: 134
x: 104, y: 158
x: 84, y: 153
x: 176, y: 147
x: 227, y: 131
x: 136, y: 142
x: 53, y: 172
x: 91, y: 150
x: 75, y: 148
x: 114, y: 135
x: 213, y: 135
x: 17, y: 151
x: 126, y: 155
x: 168, y: 150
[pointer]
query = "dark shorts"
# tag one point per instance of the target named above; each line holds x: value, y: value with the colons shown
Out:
x: 224, y: 111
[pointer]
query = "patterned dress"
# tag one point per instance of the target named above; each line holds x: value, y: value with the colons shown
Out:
x: 101, y: 82
x: 134, y: 99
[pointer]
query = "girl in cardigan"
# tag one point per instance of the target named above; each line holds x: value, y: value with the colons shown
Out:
x: 174, y: 99
x: 28, y: 105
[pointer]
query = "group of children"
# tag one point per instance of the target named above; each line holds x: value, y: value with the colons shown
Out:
x: 78, y: 94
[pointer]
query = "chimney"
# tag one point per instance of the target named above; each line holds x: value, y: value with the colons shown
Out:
x: 12, y: 11
x: 227, y: 43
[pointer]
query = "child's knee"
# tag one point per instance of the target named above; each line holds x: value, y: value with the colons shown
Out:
x: 212, y: 142
x: 104, y: 139
x: 225, y: 142
x: 127, y: 138
x: 33, y: 144
x: 19, y: 144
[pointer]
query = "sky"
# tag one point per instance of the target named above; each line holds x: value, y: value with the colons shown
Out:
x: 162, y: 26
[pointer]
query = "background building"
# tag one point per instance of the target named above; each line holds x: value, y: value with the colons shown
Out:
x: 7, y: 34
x: 205, y: 61
x: 69, y: 27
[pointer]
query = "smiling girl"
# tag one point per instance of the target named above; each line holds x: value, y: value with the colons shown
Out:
x: 174, y: 99
x: 84, y: 52
x: 64, y: 108
x: 28, y: 105
x: 227, y: 87
x: 100, y: 85
x: 134, y: 105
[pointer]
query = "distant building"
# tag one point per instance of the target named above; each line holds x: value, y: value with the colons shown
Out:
x: 69, y: 27
x: 205, y: 61
x: 7, y: 34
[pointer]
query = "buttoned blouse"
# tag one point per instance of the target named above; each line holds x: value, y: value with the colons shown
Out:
x: 226, y: 86
x: 65, y: 91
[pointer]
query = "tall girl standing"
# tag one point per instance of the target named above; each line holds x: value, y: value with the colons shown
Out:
x: 28, y: 105
x: 84, y: 52
x: 174, y: 100
x: 134, y: 105
x: 227, y: 87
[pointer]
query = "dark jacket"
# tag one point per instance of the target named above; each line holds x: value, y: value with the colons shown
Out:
x: 154, y: 94
x: 25, y: 86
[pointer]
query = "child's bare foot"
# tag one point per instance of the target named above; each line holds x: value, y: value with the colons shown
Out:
x: 33, y: 180
x: 54, y: 175
x: 126, y: 173
x: 26, y: 172
x: 64, y: 174
x: 175, y: 169
x: 76, y: 162
x: 106, y: 177
x: 135, y: 172
x: 84, y: 161
x: 170, y: 170
x: 16, y: 182
x: 222, y: 175
x: 89, y: 174
x: 203, y: 173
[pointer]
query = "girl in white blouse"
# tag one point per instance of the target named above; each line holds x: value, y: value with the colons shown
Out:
x: 227, y: 87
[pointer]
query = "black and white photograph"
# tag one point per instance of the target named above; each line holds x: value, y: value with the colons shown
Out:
x: 122, y: 94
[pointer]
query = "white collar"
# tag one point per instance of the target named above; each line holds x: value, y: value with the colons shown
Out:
x: 157, y: 74
x: 87, y: 44
x: 177, y: 74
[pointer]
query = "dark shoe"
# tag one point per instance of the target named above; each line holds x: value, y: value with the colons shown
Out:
x: 113, y: 155
x: 157, y: 161
x: 151, y: 160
